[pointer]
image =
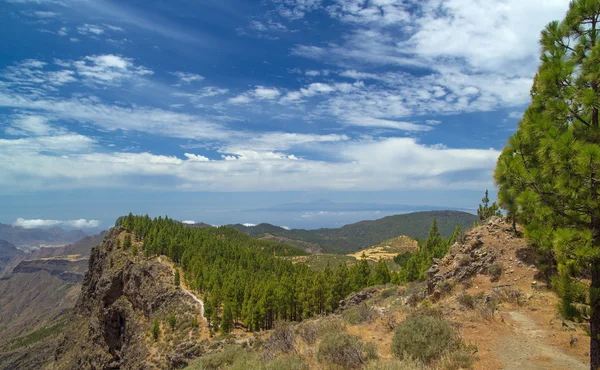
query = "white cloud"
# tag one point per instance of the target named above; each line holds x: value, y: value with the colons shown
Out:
x: 188, y: 222
x: 63, y: 31
x: 29, y: 125
x: 285, y: 227
x: 249, y: 225
x: 384, y: 123
x: 187, y: 78
x: 258, y: 93
x: 90, y: 29
x: 82, y: 223
x: 40, y: 223
x: 196, y: 157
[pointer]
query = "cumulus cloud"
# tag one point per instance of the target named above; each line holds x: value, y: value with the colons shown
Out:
x: 249, y: 225
x: 41, y: 223
x: 188, y: 222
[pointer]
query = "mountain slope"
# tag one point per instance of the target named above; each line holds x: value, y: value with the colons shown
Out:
x: 8, y: 252
x: 35, y: 238
x: 364, y: 234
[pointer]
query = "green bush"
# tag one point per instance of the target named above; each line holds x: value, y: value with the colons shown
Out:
x: 155, y: 329
x: 425, y: 338
x: 345, y: 350
x: 495, y: 271
x: 358, y: 314
x: 172, y: 322
x: 224, y: 359
x: 388, y: 293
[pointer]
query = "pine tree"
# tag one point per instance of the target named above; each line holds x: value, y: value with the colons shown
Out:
x: 550, y: 169
x: 127, y: 242
x: 227, y: 321
x: 486, y: 210
x: 177, y: 278
x: 155, y: 329
x: 381, y: 273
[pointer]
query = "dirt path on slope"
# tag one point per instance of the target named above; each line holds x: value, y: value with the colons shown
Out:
x: 526, y: 348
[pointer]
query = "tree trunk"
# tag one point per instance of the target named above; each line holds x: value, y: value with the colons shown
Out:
x: 595, y: 317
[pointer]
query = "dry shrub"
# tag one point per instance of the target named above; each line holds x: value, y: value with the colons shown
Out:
x: 283, y: 340
x: 466, y: 300
x: 389, y: 321
x: 345, y: 350
x: 424, y: 338
x: 405, y: 364
x: 456, y: 360
x: 359, y: 314
x: 508, y: 294
x: 310, y: 331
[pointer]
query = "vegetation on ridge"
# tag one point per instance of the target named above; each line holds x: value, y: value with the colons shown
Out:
x: 241, y: 278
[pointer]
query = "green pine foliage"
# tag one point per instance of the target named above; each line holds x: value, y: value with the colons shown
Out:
x: 487, y: 210
x: 415, y: 265
x: 155, y: 329
x: 243, y: 280
x: 127, y: 242
x: 177, y: 278
x: 548, y: 174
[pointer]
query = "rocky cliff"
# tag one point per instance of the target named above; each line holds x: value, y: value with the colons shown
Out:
x: 121, y: 296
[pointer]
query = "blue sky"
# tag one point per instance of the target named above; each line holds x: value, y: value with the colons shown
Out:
x: 302, y: 113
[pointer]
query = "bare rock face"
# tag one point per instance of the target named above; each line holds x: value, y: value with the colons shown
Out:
x: 479, y: 249
x: 357, y: 298
x: 119, y: 299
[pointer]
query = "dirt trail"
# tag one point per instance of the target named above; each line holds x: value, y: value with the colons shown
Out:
x: 182, y: 287
x: 526, y: 348
x: 195, y: 299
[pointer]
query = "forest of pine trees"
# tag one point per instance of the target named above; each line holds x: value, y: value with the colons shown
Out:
x: 242, y: 280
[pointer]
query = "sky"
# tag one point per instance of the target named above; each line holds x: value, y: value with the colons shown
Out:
x: 301, y: 113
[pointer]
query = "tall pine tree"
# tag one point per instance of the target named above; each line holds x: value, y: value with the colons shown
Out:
x: 549, y: 173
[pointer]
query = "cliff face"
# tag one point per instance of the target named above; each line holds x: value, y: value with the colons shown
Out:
x: 120, y: 297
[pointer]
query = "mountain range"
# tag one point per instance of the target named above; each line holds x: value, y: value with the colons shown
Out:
x: 34, y: 238
x: 363, y: 234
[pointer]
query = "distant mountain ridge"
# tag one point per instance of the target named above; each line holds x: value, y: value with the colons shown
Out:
x: 36, y: 237
x: 364, y: 234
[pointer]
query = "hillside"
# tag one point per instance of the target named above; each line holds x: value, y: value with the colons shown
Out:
x: 8, y: 252
x: 507, y: 320
x: 351, y: 238
x: 31, y: 239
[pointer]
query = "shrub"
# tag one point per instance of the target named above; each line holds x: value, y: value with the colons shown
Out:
x: 283, y: 340
x: 285, y: 363
x: 227, y: 357
x: 155, y: 329
x: 344, y: 350
x: 388, y: 293
x: 495, y: 271
x: 172, y: 322
x: 508, y: 294
x: 309, y: 331
x: 358, y: 314
x: 445, y: 287
x: 405, y: 364
x: 425, y: 338
x: 456, y: 360
x: 466, y: 300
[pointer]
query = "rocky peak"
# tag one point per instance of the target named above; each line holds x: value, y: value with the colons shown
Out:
x: 479, y: 249
x: 120, y: 297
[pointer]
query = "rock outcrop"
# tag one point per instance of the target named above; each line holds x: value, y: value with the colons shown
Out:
x: 120, y: 297
x: 479, y: 249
